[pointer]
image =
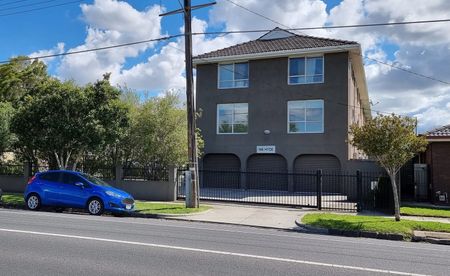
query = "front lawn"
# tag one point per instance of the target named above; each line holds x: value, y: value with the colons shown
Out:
x: 13, y: 199
x: 143, y: 207
x: 425, y: 211
x: 372, y: 224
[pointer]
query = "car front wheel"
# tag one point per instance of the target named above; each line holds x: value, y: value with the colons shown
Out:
x: 33, y: 202
x: 95, y: 207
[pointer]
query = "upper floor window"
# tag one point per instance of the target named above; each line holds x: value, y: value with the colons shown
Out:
x: 232, y: 118
x: 305, y: 116
x: 305, y: 70
x: 233, y: 75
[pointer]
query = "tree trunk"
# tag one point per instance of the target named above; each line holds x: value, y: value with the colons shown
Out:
x: 396, y: 199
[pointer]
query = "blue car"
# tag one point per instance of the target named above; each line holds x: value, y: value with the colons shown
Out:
x: 69, y: 189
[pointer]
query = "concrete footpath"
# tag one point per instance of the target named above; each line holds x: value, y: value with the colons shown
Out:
x: 249, y: 215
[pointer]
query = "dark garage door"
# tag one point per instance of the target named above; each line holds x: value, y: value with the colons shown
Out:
x: 267, y: 172
x: 329, y: 164
x: 220, y: 171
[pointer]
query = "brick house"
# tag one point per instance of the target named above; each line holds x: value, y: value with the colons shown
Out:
x: 437, y: 158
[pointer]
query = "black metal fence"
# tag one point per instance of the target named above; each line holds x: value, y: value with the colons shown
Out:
x: 102, y: 173
x: 11, y: 169
x: 333, y: 190
x: 146, y: 173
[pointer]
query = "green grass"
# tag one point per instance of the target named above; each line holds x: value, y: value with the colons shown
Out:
x: 146, y: 207
x: 372, y: 224
x: 143, y: 207
x: 425, y: 211
x: 13, y: 199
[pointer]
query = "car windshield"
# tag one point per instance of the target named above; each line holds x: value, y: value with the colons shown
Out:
x: 95, y: 180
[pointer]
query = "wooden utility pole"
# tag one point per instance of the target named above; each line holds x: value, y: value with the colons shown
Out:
x: 192, y: 194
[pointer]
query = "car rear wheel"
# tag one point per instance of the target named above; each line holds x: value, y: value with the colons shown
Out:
x: 33, y: 202
x: 95, y: 207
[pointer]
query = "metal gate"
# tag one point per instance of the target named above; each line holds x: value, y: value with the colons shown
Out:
x: 349, y: 191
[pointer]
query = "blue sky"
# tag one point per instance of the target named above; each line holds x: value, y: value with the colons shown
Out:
x: 158, y: 67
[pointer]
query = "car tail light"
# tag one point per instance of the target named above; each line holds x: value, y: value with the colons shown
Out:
x: 31, y: 180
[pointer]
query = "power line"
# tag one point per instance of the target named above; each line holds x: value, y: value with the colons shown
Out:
x: 408, y: 71
x: 27, y: 5
x: 325, y: 27
x: 99, y: 48
x: 354, y: 26
x: 42, y: 8
x: 13, y: 2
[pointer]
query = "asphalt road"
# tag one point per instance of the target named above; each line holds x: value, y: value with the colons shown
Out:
x: 44, y: 243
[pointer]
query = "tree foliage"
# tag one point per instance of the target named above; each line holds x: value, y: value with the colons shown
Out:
x: 62, y: 124
x: 159, y: 131
x: 6, y: 137
x: 391, y: 141
x: 21, y: 77
x: 65, y: 120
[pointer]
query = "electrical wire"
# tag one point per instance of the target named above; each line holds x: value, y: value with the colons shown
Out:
x: 41, y: 8
x: 27, y: 5
x: 99, y: 48
x: 12, y: 2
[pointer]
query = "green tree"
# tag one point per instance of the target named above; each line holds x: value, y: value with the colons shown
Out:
x: 20, y: 77
x: 160, y: 130
x: 6, y: 137
x: 66, y: 121
x: 391, y: 141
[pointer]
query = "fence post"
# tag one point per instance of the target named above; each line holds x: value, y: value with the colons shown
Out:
x: 359, y: 206
x: 119, y: 174
x: 27, y: 170
x: 319, y: 189
x: 173, y: 184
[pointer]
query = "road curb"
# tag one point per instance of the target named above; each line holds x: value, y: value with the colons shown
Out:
x: 351, y: 233
x: 430, y: 237
x: 239, y: 224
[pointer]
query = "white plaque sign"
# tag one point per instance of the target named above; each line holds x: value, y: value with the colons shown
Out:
x: 265, y: 149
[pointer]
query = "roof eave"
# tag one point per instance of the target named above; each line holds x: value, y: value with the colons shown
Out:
x: 438, y: 138
x: 276, y: 54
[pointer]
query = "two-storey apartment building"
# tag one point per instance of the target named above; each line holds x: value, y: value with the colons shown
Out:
x: 281, y: 103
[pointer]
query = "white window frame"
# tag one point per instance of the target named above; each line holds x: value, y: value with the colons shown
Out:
x: 233, y: 81
x: 309, y: 132
x: 306, y: 57
x: 232, y: 123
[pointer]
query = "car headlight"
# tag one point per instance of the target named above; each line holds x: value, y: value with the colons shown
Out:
x: 113, y: 194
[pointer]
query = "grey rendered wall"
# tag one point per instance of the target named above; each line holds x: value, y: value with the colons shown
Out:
x: 267, y: 96
x: 13, y: 183
x: 148, y: 190
x: 143, y: 190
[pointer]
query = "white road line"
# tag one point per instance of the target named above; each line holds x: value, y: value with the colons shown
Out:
x: 217, y: 252
x: 380, y: 243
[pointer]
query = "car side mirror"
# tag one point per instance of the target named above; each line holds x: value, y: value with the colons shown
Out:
x: 79, y: 184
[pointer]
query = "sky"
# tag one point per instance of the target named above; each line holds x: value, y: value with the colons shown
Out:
x: 155, y: 67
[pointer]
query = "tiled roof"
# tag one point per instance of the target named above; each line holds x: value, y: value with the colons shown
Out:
x: 441, y: 132
x: 287, y: 42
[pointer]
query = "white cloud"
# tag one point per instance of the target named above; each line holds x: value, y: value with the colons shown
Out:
x: 110, y: 22
x: 58, y: 49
